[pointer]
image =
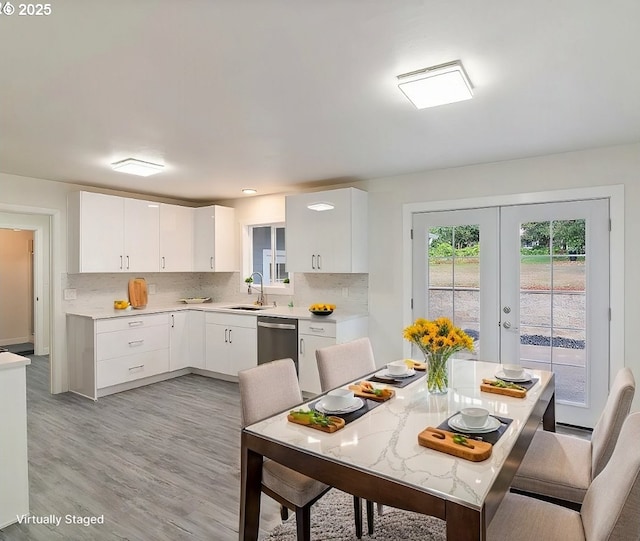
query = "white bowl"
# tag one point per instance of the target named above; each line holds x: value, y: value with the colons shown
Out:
x: 397, y: 368
x: 513, y: 370
x: 338, y: 399
x: 474, y: 417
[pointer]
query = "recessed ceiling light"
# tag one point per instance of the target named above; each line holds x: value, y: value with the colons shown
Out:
x: 437, y: 85
x: 249, y: 191
x: 320, y: 206
x: 137, y: 167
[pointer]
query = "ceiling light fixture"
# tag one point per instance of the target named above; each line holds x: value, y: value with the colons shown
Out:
x: 137, y: 167
x: 249, y: 191
x: 320, y: 206
x: 437, y: 85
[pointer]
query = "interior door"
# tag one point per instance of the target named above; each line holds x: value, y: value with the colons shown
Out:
x: 555, y: 299
x: 530, y: 283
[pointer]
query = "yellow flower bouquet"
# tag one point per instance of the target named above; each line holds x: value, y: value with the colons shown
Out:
x: 438, y: 340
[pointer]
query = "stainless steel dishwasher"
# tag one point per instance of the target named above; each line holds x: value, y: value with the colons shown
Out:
x: 277, y: 339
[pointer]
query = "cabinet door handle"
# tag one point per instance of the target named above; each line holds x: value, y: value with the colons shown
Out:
x: 319, y: 262
x: 136, y: 343
x: 120, y: 262
x: 230, y: 341
x: 301, y: 346
x: 211, y: 262
x: 163, y: 265
x: 317, y: 329
x: 173, y: 321
x: 226, y: 336
x: 127, y: 262
x: 135, y: 323
x: 136, y: 367
x: 313, y: 261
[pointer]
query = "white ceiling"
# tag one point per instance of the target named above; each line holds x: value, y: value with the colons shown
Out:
x: 276, y: 94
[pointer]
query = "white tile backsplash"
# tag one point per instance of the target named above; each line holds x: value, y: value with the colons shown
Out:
x: 100, y: 290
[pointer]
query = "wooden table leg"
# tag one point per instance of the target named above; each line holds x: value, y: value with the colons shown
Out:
x: 465, y: 524
x: 549, y: 416
x: 250, y: 489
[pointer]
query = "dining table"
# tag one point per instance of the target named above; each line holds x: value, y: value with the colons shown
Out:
x: 377, y: 456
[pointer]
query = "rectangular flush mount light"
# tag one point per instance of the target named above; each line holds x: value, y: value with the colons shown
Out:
x: 437, y: 85
x: 137, y: 167
x: 320, y: 206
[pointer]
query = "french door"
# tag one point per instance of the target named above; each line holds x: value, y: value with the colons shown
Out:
x: 530, y: 283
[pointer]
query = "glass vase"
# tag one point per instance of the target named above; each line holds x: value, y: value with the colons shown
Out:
x: 437, y: 372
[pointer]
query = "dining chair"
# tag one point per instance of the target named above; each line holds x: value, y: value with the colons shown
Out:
x: 560, y: 467
x: 337, y: 365
x: 610, y: 509
x: 265, y: 390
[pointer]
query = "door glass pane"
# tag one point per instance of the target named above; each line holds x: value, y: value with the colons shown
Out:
x: 453, y: 287
x: 553, y: 303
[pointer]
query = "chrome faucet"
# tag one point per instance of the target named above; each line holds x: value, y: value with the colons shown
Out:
x: 261, y: 300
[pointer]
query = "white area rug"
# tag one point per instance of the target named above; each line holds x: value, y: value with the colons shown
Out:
x: 332, y: 520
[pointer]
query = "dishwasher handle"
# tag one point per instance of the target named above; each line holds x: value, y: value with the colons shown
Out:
x: 285, y: 326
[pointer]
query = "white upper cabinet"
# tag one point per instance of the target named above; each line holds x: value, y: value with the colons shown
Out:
x: 176, y: 238
x: 141, y: 235
x: 329, y: 240
x: 112, y: 234
x: 215, y: 240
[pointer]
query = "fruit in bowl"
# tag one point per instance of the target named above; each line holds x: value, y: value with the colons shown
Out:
x: 322, y: 309
x: 120, y: 305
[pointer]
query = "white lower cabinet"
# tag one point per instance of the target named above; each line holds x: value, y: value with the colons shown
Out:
x: 313, y: 335
x: 230, y: 343
x: 179, y: 341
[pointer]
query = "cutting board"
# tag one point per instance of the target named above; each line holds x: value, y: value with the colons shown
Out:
x: 138, y: 292
x: 336, y: 423
x: 442, y: 440
x: 488, y: 388
x: 360, y: 389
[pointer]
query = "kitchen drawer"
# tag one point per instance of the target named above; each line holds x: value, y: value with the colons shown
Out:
x: 231, y: 320
x: 130, y: 342
x: 131, y: 367
x: 317, y: 328
x: 133, y: 322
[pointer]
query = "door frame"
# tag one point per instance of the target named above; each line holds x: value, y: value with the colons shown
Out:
x: 57, y: 369
x: 614, y: 193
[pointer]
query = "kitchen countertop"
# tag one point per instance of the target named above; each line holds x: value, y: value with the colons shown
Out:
x: 298, y: 312
x: 11, y: 360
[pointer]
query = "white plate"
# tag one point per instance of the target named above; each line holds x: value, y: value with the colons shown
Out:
x: 458, y: 424
x: 357, y: 404
x: 386, y: 374
x: 525, y: 377
x: 196, y: 300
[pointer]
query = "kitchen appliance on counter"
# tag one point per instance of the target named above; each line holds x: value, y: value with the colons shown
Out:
x: 277, y: 339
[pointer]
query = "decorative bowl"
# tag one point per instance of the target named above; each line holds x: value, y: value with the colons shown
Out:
x: 321, y: 312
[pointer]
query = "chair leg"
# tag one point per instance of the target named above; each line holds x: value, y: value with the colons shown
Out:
x: 284, y: 512
x: 357, y: 513
x: 303, y: 523
x: 370, y: 517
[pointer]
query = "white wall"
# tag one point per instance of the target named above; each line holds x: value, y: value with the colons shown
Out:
x: 600, y: 167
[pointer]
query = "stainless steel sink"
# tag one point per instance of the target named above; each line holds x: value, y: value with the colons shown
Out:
x: 248, y: 307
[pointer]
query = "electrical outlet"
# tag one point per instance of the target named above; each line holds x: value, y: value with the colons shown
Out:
x: 152, y: 289
x: 70, y: 294
x: 345, y: 291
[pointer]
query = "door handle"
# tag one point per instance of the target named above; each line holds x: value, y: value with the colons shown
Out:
x: 120, y: 262
x: 173, y: 321
x: 230, y: 341
x: 301, y: 346
x: 507, y: 325
x: 226, y: 336
x: 319, y: 262
x: 163, y: 265
x: 313, y: 261
x: 211, y: 262
x: 127, y: 262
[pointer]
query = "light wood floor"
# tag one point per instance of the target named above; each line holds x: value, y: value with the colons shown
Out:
x: 160, y: 462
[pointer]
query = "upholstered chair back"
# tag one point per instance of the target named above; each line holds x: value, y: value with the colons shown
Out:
x: 346, y: 362
x: 268, y: 389
x: 605, y: 433
x: 611, y: 507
